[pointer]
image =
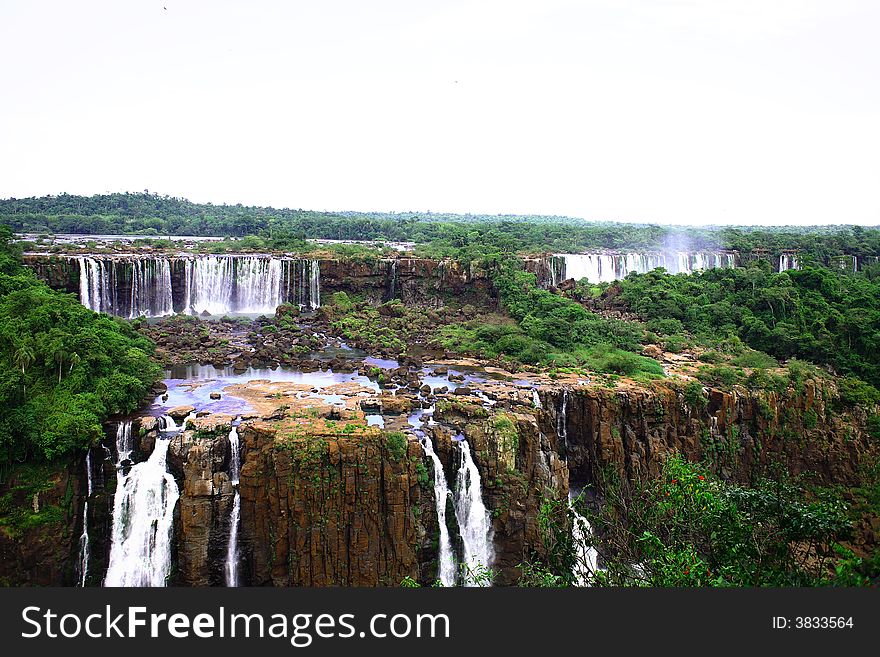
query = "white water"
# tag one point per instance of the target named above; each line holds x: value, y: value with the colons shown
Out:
x: 232, y: 547
x: 470, y: 512
x: 124, y: 444
x: 151, y: 288
x: 446, y: 566
x: 215, y: 284
x: 84, y: 551
x: 150, y: 294
x: 143, y: 518
x: 586, y: 557
x: 788, y: 261
x: 562, y: 421
x: 607, y: 267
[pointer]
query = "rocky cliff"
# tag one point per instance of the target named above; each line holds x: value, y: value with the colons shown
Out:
x: 416, y: 281
x: 632, y: 429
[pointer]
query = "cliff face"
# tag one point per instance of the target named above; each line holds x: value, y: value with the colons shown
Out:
x: 41, y: 521
x: 199, y: 461
x: 417, y: 281
x: 334, y: 510
x: 632, y: 430
x: 58, y: 272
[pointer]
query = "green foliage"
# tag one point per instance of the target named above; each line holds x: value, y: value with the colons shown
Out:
x: 814, y: 313
x: 694, y: 396
x: 465, y: 237
x: 755, y: 359
x: 854, y: 392
x: 721, y: 375
x: 64, y: 367
x: 689, y: 528
x: 396, y: 444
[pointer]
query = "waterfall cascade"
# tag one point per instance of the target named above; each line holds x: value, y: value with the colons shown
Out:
x: 127, y: 287
x: 607, y: 267
x: 788, y: 261
x: 152, y: 286
x: 562, y: 421
x: 143, y: 517
x: 84, y: 548
x: 446, y: 559
x: 234, y: 517
x: 392, y: 279
x: 586, y: 557
x: 470, y: 512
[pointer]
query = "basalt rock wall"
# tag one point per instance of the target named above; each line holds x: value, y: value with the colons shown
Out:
x: 633, y: 430
x: 334, y: 511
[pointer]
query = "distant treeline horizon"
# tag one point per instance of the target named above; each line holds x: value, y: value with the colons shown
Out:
x: 151, y: 215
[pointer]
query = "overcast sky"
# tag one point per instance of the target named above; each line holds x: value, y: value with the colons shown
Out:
x: 671, y: 111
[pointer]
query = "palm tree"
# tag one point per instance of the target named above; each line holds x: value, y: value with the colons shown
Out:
x: 59, y: 355
x: 74, y: 360
x: 23, y: 357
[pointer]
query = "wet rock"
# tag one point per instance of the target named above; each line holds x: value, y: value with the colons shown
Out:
x: 462, y: 390
x: 371, y: 405
x: 180, y: 412
x: 214, y: 395
x: 394, y: 405
x: 149, y: 423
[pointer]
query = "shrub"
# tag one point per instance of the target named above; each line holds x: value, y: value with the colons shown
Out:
x: 755, y: 360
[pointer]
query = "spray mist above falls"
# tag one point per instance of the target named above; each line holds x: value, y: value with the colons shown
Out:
x: 153, y: 286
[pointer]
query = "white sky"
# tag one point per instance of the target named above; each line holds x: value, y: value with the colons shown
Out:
x: 740, y: 111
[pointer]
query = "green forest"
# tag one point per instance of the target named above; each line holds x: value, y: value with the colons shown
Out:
x: 465, y: 237
x: 65, y: 368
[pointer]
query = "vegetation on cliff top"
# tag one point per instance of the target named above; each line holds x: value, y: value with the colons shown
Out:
x: 464, y: 237
x: 690, y: 528
x: 814, y: 313
x: 64, y: 367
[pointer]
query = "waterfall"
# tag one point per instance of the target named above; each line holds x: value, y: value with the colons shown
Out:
x: 124, y: 445
x: 788, y: 261
x: 446, y: 565
x: 602, y: 267
x: 143, y: 286
x: 536, y: 398
x: 235, y: 516
x: 132, y: 286
x: 586, y: 557
x: 84, y: 552
x: 209, y: 284
x: 470, y: 512
x: 392, y: 279
x: 150, y: 288
x: 143, y: 518
x: 562, y: 421
x: 303, y: 285
x: 167, y: 424
x: 94, y: 286
x: 249, y: 284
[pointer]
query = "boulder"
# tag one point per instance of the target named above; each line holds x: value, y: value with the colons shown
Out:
x: 180, y: 412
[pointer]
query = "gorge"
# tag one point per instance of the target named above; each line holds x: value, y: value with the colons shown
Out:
x: 292, y: 458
